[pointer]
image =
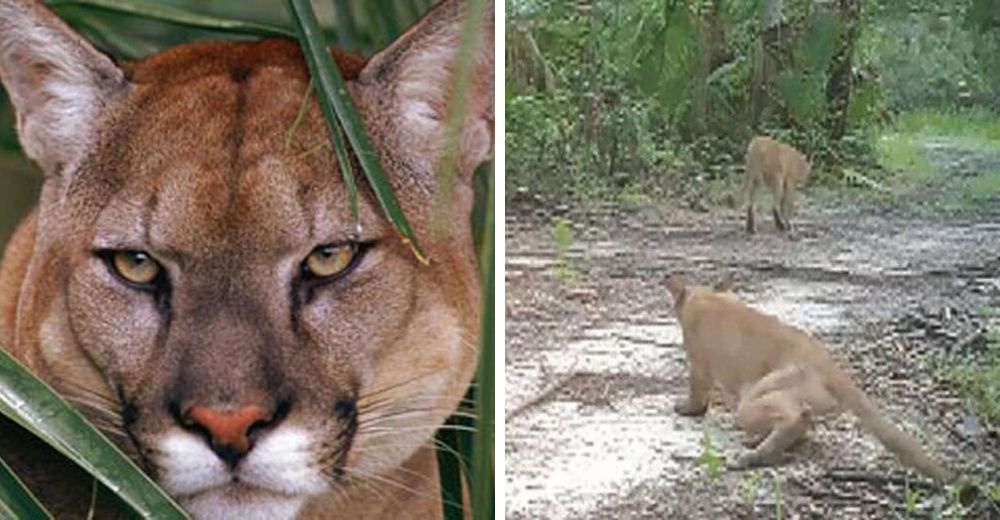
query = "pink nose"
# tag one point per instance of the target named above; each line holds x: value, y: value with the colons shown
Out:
x: 229, y: 431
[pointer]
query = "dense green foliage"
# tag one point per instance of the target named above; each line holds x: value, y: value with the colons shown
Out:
x: 612, y: 97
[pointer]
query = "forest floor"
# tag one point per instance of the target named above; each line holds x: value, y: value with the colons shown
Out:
x: 900, y: 294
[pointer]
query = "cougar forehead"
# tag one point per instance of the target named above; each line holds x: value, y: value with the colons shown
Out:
x: 227, y: 158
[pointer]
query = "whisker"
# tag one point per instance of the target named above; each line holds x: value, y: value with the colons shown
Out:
x: 470, y: 344
x: 358, y: 475
x: 93, y: 408
x: 374, y: 418
x: 353, y: 486
x: 362, y: 399
x: 342, y: 495
x: 370, y: 403
x: 381, y: 446
x: 386, y: 424
x: 107, y: 421
x: 411, y: 404
x: 391, y: 411
x: 388, y: 481
x: 416, y: 398
x: 380, y: 432
x: 373, y: 489
x: 366, y: 475
x: 396, y: 385
x: 413, y: 398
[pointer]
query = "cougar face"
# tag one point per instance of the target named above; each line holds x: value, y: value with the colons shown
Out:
x: 197, y: 283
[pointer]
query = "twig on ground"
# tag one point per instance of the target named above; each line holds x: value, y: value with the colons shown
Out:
x: 824, y: 494
x: 544, y: 394
x: 879, y: 479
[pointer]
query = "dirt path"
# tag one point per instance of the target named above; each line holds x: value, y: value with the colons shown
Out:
x: 594, y: 366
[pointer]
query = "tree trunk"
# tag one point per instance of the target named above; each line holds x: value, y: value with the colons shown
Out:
x: 838, y: 85
x: 768, y: 57
x: 714, y: 54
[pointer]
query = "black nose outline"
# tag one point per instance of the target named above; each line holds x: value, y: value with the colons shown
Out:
x: 227, y: 452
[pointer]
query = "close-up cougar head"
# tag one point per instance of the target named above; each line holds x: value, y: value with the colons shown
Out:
x: 192, y: 278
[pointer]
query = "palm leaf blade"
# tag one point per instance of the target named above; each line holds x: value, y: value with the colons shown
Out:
x: 168, y: 13
x: 482, y: 444
x: 36, y: 407
x: 337, y: 106
x: 16, y: 501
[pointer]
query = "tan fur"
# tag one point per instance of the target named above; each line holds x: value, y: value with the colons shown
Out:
x: 782, y: 168
x: 779, y: 375
x: 187, y: 155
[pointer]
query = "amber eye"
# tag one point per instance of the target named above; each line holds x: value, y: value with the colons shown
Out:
x: 135, y: 266
x: 327, y: 261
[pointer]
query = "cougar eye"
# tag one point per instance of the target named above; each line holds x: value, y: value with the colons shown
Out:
x: 135, y: 267
x: 331, y: 260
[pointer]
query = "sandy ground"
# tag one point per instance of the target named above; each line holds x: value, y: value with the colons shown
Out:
x: 594, y: 364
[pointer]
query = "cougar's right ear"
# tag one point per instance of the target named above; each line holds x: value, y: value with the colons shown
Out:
x: 60, y: 86
x: 412, y: 79
x: 677, y: 288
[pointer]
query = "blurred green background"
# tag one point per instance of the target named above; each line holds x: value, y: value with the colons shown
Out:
x: 362, y: 26
x: 643, y: 102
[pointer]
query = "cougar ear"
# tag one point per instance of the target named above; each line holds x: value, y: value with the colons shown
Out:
x: 59, y: 84
x: 725, y: 284
x: 678, y: 290
x: 411, y: 81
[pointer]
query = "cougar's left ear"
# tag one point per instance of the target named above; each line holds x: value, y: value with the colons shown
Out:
x: 60, y: 86
x: 725, y: 284
x: 411, y: 80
